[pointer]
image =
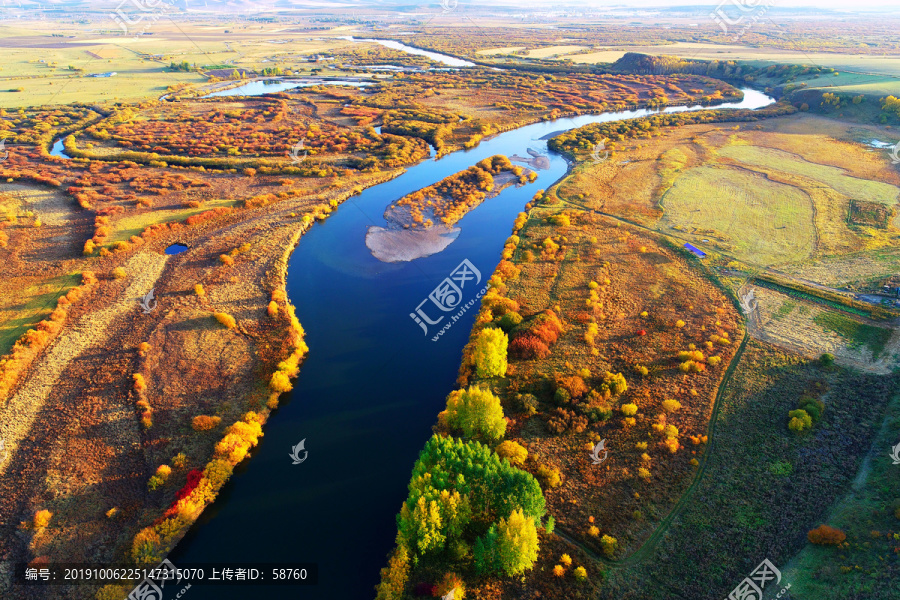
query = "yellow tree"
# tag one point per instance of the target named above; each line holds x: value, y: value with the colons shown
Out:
x: 517, y: 543
x: 476, y: 411
x: 490, y: 353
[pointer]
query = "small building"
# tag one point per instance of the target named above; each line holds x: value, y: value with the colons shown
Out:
x: 110, y: 74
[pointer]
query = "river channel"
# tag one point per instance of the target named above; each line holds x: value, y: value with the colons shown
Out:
x: 372, y: 386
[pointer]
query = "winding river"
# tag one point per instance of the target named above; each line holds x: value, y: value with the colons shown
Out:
x: 373, y: 383
x: 369, y: 392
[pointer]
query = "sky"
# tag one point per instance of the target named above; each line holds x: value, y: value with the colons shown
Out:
x: 838, y: 5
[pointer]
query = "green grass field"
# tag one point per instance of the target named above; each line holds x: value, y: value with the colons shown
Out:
x: 135, y: 224
x: 44, y: 75
x: 852, y: 187
x: 40, y: 300
x: 759, y: 221
x: 858, y: 334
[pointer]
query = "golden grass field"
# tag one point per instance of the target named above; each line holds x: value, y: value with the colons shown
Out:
x: 25, y: 302
x: 757, y: 221
x: 774, y: 195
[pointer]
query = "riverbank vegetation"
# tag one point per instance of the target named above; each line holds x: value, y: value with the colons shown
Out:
x: 448, y: 200
x: 617, y: 334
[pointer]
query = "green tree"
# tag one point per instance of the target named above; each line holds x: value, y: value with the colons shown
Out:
x: 509, y: 547
x: 477, y: 412
x: 490, y: 353
x: 800, y: 420
x: 469, y: 484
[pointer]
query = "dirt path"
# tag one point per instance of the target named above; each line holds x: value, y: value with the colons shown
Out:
x: 91, y: 330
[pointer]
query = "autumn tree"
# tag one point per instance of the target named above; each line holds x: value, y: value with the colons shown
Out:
x: 394, y: 576
x: 825, y: 535
x: 477, y: 411
x: 512, y: 451
x: 509, y: 547
x: 490, y: 353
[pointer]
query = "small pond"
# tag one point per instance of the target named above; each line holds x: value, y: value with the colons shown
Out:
x: 176, y: 249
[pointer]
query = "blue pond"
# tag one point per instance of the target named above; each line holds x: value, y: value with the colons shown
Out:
x: 176, y: 249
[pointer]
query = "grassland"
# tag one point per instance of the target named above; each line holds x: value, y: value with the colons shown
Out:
x: 867, y: 513
x: 856, y: 333
x: 783, y: 189
x: 753, y: 219
x: 812, y: 328
x: 52, y: 70
x: 852, y: 187
x: 135, y: 224
x: 765, y: 487
x: 22, y: 309
x: 880, y: 72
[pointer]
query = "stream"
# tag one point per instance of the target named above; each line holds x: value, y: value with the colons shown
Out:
x: 372, y: 385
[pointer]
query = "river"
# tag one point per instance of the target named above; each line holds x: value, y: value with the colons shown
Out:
x: 371, y: 388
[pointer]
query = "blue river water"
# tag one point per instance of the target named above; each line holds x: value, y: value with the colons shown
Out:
x: 369, y: 392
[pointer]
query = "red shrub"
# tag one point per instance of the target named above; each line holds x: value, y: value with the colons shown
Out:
x: 825, y: 535
x: 528, y: 346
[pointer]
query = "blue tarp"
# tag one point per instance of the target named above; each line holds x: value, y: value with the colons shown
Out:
x: 695, y: 250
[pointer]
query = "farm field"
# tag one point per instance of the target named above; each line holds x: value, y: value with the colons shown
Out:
x: 859, y: 64
x: 52, y: 70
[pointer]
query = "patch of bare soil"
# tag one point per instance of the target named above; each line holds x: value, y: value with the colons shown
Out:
x: 789, y: 322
